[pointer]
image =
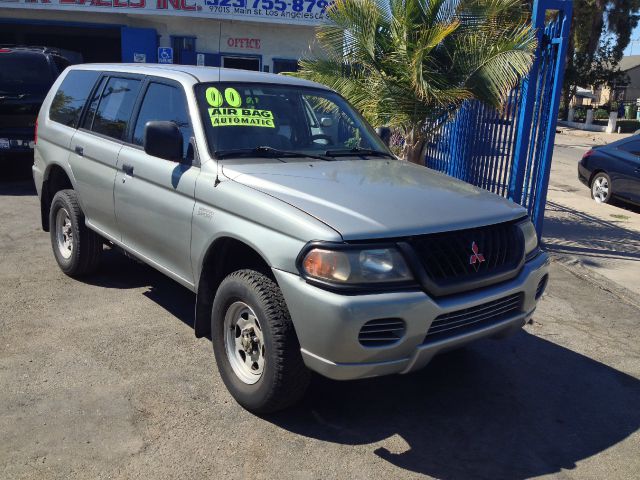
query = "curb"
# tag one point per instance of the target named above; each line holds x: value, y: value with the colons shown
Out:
x: 576, y: 268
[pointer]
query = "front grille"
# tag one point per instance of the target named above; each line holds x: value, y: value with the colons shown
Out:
x: 381, y: 332
x: 457, y: 322
x: 469, y: 256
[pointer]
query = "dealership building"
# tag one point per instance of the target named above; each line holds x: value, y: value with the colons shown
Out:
x: 264, y: 35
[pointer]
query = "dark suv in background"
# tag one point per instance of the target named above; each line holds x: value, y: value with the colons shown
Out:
x: 26, y: 75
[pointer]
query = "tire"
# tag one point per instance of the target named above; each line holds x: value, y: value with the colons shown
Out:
x: 77, y: 248
x: 271, y: 376
x: 601, y: 188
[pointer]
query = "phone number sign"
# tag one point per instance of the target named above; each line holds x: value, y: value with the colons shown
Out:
x: 308, y: 11
x: 297, y: 12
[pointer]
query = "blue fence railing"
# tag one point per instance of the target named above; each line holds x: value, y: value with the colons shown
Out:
x: 508, y: 151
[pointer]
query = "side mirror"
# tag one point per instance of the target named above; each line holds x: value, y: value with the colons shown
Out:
x: 385, y: 134
x: 326, y: 122
x: 163, y: 140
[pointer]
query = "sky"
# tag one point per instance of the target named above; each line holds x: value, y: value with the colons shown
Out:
x: 634, y: 45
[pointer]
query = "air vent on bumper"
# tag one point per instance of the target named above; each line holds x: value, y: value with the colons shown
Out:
x: 465, y: 320
x: 381, y: 332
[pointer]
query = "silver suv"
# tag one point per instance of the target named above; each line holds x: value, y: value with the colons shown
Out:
x: 310, y: 247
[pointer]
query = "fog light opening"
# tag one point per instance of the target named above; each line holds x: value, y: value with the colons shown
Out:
x: 542, y: 285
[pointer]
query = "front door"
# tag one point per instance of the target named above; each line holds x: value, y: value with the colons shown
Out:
x: 154, y: 198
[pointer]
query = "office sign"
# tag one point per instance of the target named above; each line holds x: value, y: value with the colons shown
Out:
x: 294, y: 12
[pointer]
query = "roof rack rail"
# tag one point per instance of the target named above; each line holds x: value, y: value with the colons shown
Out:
x: 31, y: 47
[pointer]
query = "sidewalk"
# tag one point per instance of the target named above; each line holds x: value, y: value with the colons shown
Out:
x: 600, y: 242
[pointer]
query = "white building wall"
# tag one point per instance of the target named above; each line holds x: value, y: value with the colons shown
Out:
x: 276, y: 40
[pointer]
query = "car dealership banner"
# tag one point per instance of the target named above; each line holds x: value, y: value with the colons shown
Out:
x: 295, y: 12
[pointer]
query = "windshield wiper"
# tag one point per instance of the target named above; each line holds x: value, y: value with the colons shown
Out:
x: 358, y: 151
x: 265, y: 151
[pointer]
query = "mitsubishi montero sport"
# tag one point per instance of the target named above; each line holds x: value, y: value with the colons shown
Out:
x: 309, y: 245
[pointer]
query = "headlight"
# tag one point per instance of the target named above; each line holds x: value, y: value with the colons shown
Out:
x: 530, y: 239
x: 355, y: 266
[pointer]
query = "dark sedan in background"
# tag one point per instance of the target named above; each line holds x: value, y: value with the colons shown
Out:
x: 613, y: 171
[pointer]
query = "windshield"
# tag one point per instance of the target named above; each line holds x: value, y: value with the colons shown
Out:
x: 250, y: 116
x: 24, y: 74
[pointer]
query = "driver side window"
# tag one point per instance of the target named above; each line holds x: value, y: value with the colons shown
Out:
x: 165, y: 103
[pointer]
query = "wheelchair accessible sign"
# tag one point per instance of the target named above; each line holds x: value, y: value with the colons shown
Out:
x: 165, y: 55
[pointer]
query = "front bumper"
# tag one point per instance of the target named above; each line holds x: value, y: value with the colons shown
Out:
x: 328, y: 323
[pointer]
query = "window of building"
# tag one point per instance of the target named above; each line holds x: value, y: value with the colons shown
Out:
x: 166, y: 103
x: 283, y: 65
x: 184, y: 50
x: 115, y: 107
x: 71, y: 97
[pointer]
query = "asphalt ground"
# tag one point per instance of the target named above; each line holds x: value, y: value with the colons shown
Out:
x: 103, y: 378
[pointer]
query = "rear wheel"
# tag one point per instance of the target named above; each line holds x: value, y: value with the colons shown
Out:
x: 76, y: 248
x: 601, y: 188
x: 255, y: 344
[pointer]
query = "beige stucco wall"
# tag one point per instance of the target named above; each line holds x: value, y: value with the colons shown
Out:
x: 276, y: 40
x: 632, y: 91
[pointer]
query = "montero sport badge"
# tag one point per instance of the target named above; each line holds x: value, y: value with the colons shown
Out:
x: 476, y: 258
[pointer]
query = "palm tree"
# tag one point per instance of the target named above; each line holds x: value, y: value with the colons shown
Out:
x: 409, y: 64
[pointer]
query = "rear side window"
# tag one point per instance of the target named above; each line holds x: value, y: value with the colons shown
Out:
x: 24, y: 73
x: 60, y: 62
x: 115, y: 106
x: 167, y: 103
x: 71, y: 97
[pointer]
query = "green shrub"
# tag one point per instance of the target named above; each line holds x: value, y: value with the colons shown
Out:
x: 601, y: 114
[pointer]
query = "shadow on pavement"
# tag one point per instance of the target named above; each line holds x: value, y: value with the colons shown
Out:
x: 118, y: 271
x: 510, y: 409
x: 515, y: 409
x: 578, y: 233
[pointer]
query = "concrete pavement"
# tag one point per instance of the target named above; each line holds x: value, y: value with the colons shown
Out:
x: 103, y: 378
x: 600, y: 241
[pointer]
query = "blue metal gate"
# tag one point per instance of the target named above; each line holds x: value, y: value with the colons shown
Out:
x: 508, y: 152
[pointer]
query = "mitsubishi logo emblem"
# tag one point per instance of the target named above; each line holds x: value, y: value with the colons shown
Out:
x: 477, y: 258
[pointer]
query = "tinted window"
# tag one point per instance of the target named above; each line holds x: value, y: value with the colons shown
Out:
x: 93, y: 104
x: 115, y: 107
x: 24, y: 73
x: 164, y: 102
x: 60, y: 62
x: 286, y: 117
x: 631, y: 147
x: 71, y: 97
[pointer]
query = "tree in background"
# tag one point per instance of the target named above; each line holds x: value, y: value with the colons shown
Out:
x: 600, y: 31
x: 408, y: 64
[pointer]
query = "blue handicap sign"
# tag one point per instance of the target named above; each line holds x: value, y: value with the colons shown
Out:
x: 165, y: 55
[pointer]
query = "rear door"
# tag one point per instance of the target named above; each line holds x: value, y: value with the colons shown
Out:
x: 627, y: 179
x: 154, y: 198
x: 96, y: 145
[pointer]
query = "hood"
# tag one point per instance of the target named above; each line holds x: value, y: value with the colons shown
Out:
x: 367, y: 199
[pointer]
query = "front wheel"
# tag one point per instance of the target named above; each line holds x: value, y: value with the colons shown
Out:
x: 255, y: 344
x: 601, y: 188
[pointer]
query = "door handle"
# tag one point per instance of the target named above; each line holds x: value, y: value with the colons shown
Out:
x: 79, y: 150
x: 127, y: 169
